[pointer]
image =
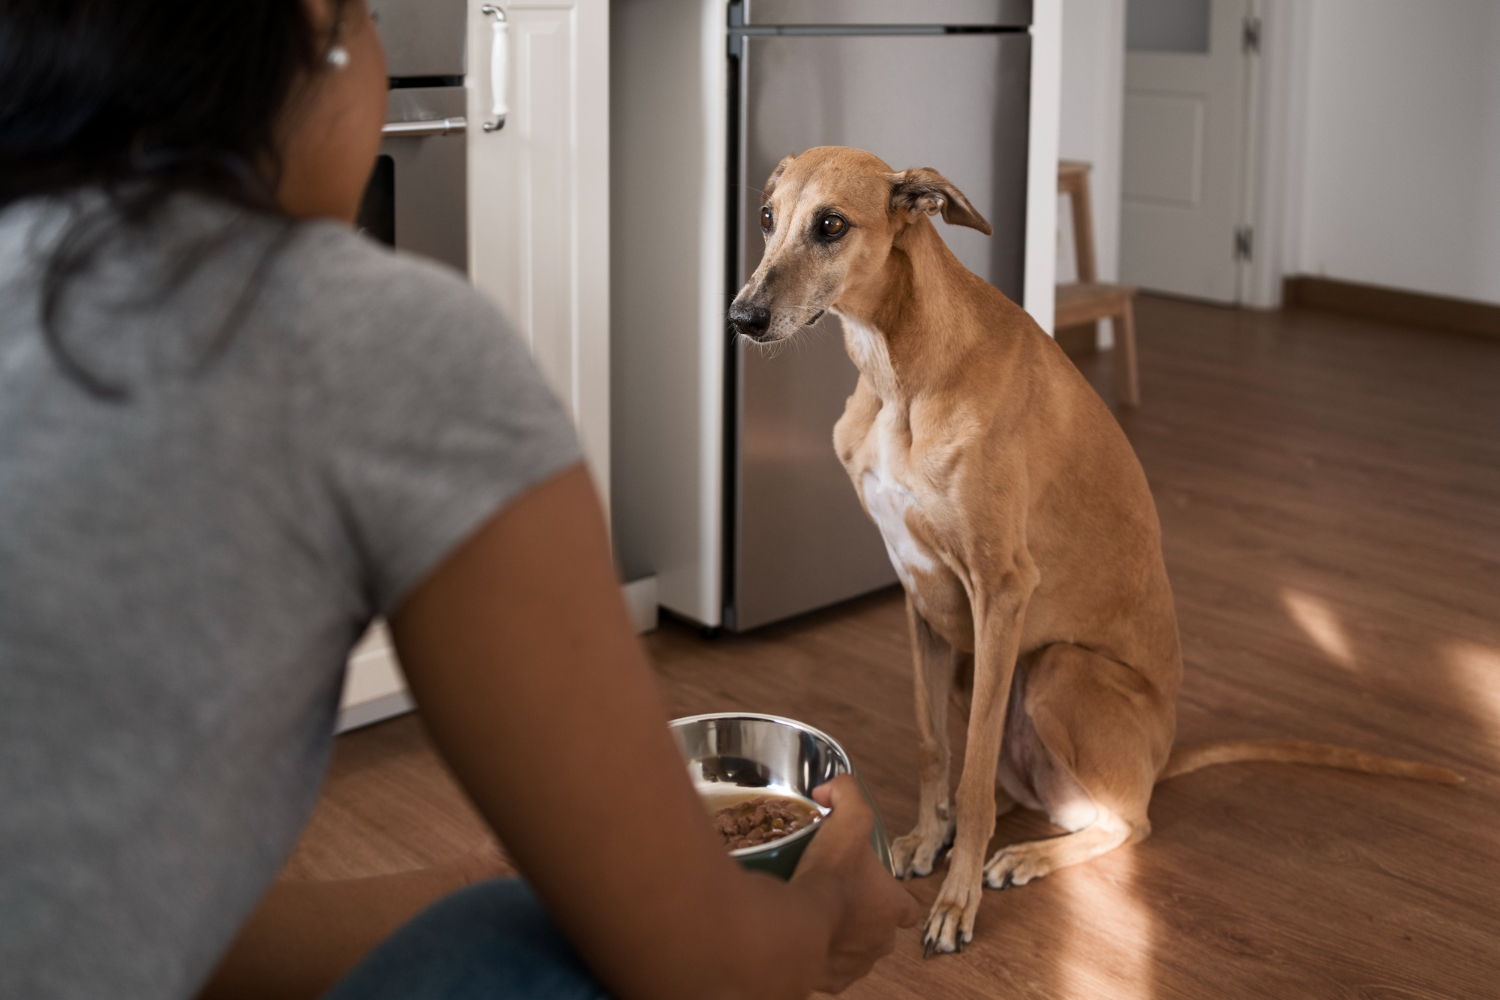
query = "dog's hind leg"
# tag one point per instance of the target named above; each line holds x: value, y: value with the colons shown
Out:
x: 1020, y: 863
x: 1087, y: 739
x: 934, y: 663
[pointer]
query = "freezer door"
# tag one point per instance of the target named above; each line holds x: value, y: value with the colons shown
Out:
x: 986, y: 13
x: 954, y: 102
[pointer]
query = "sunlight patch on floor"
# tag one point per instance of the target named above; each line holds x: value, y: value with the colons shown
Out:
x: 1321, y: 624
x: 1476, y: 671
x: 1109, y: 952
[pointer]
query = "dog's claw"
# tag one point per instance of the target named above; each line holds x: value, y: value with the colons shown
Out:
x: 1005, y: 881
x: 908, y: 854
x: 930, y: 948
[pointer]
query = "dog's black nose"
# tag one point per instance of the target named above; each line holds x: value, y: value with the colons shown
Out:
x: 752, y: 321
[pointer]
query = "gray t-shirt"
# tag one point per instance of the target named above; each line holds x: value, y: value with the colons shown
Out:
x: 183, y: 570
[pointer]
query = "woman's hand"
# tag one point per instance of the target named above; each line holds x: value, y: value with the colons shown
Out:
x: 865, y: 902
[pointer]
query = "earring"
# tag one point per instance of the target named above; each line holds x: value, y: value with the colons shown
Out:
x: 338, y: 57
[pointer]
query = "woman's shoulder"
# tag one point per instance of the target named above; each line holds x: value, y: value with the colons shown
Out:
x: 354, y: 302
x: 420, y: 408
x: 332, y: 251
x: 334, y: 273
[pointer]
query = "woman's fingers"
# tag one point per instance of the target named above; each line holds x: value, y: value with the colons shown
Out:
x: 847, y: 800
x: 845, y: 792
x: 871, y: 903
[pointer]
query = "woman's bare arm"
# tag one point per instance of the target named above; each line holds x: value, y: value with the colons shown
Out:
x: 524, y: 663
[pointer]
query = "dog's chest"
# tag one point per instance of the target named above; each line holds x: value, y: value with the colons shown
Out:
x: 885, y: 485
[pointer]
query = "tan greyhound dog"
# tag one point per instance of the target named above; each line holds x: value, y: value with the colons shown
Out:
x: 1019, y: 522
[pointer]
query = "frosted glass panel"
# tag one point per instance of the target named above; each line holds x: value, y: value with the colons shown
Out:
x: 1167, y: 26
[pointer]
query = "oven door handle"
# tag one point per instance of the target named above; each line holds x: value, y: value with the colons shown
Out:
x: 499, y: 67
x: 439, y: 126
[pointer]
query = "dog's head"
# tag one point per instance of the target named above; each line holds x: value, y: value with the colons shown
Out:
x: 830, y: 218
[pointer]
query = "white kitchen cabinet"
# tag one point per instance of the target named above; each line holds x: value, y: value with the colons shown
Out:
x: 538, y: 202
x: 539, y: 197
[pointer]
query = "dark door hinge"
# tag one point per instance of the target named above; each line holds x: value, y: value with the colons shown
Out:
x: 1251, y: 36
x: 1244, y: 242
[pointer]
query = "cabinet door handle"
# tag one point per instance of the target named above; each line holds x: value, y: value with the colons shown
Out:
x: 499, y: 67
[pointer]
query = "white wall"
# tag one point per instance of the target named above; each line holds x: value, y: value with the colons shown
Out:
x: 1039, y: 295
x: 1093, y: 87
x: 1399, y: 179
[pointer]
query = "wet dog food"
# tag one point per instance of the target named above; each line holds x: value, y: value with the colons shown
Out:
x: 761, y: 819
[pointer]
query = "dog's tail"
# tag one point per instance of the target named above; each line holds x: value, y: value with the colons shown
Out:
x: 1192, y: 758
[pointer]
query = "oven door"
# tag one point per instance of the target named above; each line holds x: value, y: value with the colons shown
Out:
x: 416, y: 199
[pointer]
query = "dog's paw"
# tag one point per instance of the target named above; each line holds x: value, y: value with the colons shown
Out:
x: 1017, y: 865
x: 914, y: 854
x: 950, y: 925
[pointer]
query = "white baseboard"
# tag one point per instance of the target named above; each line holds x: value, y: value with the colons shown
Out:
x: 640, y: 598
x: 375, y: 710
x: 374, y: 689
x: 373, y: 686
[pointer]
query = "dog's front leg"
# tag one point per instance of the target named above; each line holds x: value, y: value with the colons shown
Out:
x: 997, y: 633
x: 933, y: 662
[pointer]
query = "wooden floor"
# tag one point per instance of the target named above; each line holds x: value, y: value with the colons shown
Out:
x: 1329, y: 491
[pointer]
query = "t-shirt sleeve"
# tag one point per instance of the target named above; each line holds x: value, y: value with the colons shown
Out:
x: 425, y: 413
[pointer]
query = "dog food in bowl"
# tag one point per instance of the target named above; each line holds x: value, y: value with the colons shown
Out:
x: 749, y: 821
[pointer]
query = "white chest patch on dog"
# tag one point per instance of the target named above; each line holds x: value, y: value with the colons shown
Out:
x: 889, y: 501
x: 868, y: 347
x: 886, y: 497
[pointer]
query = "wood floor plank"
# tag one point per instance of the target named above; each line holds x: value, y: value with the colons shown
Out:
x: 1329, y: 491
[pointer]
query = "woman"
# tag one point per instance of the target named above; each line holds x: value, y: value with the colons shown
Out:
x: 231, y: 433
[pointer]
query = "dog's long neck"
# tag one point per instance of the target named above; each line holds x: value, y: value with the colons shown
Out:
x: 909, y: 330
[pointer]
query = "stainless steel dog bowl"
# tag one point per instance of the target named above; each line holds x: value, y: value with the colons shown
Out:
x: 743, y: 750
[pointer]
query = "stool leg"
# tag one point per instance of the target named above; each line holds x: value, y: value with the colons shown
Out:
x: 1127, y: 379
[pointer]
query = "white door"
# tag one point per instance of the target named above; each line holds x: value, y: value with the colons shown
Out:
x: 539, y: 196
x: 1182, y: 199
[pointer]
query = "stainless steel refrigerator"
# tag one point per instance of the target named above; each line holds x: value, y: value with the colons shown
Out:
x: 920, y: 83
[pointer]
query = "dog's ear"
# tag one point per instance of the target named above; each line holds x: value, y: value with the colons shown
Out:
x: 766, y: 192
x: 922, y: 189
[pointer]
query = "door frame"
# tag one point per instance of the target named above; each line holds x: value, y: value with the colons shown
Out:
x: 1276, y: 144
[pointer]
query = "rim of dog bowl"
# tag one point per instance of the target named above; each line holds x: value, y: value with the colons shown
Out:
x: 806, y: 831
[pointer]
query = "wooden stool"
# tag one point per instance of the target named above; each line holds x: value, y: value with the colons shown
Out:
x: 1088, y: 300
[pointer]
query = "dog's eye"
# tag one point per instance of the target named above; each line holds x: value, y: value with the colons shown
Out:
x: 833, y: 226
x: 767, y: 220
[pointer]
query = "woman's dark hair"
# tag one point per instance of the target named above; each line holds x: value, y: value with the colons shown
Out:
x: 142, y: 99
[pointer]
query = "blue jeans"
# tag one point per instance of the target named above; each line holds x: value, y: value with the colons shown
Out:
x: 490, y: 941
